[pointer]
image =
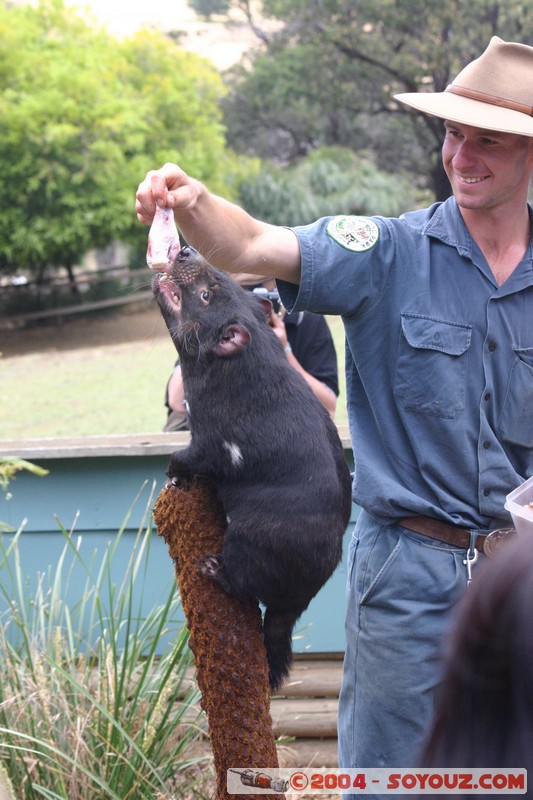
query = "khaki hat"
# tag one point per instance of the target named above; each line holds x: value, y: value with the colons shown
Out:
x: 494, y: 92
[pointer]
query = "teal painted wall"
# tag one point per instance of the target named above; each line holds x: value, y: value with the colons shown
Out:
x: 92, y: 497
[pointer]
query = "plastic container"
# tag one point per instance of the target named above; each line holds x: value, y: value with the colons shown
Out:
x: 515, y: 502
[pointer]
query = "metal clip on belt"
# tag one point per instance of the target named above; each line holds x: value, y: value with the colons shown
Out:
x: 472, y: 556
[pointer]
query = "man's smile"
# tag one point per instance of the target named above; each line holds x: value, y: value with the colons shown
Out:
x: 464, y: 179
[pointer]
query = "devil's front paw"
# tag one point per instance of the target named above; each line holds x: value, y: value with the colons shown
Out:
x: 211, y: 566
x: 179, y: 475
x: 179, y: 482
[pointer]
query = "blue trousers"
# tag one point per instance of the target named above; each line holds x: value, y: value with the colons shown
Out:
x: 401, y: 590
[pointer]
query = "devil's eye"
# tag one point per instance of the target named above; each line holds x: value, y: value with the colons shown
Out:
x: 205, y: 296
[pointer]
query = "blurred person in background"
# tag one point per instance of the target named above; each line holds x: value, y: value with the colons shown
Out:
x: 484, y: 709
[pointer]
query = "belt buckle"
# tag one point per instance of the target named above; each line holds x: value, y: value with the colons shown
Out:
x: 495, y: 539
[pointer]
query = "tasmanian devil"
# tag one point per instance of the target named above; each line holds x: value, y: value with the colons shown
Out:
x: 270, y: 449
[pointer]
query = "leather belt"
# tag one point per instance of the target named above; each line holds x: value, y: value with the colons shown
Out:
x: 486, y: 543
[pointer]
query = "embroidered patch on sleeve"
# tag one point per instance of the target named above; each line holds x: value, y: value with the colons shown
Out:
x: 353, y: 233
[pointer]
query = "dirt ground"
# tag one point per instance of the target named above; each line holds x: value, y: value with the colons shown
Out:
x: 139, y: 322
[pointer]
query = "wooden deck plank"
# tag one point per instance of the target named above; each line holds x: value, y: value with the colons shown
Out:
x: 130, y: 444
x: 309, y: 753
x: 305, y: 718
x: 313, y: 678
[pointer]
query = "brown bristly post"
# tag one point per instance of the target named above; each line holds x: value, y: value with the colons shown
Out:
x: 224, y: 635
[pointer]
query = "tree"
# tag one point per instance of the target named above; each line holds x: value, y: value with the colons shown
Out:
x: 82, y: 118
x: 206, y: 8
x: 62, y: 132
x: 328, y: 76
x: 177, y: 96
x: 330, y: 178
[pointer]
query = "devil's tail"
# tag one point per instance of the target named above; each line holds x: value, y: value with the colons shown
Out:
x: 277, y: 631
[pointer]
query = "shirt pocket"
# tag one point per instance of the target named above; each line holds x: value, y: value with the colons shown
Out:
x: 431, y: 365
x: 516, y: 420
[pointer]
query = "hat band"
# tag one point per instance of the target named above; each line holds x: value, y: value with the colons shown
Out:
x: 472, y: 94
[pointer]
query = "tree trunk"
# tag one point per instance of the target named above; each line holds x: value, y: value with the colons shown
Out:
x: 72, y: 280
x: 441, y: 184
x: 226, y: 637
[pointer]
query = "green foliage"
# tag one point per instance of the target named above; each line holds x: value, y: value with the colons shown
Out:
x: 94, y: 698
x: 179, y: 94
x: 206, y: 8
x: 9, y: 466
x: 328, y: 76
x: 332, y: 180
x: 82, y: 118
x: 63, y: 129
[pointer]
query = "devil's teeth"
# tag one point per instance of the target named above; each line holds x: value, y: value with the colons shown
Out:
x: 175, y: 298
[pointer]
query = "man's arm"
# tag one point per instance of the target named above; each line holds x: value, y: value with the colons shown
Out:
x: 226, y: 235
x: 321, y: 391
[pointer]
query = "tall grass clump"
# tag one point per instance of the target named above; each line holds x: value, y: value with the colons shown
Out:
x: 95, y: 699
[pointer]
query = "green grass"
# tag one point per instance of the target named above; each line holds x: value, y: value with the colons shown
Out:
x: 337, y: 331
x: 95, y: 699
x: 106, y: 390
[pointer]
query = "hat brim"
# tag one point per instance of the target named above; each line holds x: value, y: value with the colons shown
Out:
x: 447, y: 105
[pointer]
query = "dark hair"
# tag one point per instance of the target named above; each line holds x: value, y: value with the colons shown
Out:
x: 484, y: 709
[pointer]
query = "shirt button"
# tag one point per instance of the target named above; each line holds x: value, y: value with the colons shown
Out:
x: 486, y: 492
x: 486, y: 396
x: 492, y: 346
x: 486, y: 445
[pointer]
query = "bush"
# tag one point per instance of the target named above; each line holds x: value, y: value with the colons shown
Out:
x: 95, y: 700
x: 330, y: 180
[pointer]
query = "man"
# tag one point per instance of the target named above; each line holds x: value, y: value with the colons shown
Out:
x: 438, y: 312
x: 306, y: 340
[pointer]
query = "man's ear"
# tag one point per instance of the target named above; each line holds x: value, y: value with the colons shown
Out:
x: 234, y: 339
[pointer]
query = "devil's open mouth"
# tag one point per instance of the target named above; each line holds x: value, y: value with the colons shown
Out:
x: 170, y: 291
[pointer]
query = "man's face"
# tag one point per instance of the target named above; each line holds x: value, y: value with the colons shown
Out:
x: 486, y: 168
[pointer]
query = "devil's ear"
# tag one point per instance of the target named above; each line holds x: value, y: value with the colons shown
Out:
x: 234, y: 339
x: 267, y: 306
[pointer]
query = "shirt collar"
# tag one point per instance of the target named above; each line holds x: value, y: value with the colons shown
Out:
x: 448, y: 225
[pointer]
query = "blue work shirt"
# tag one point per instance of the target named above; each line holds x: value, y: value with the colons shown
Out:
x: 439, y: 362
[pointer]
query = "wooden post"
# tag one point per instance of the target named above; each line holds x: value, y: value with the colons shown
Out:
x: 225, y: 636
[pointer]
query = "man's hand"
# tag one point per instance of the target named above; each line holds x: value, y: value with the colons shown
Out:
x: 168, y: 187
x: 223, y: 232
x: 278, y: 326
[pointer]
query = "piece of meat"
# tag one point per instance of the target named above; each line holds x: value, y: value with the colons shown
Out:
x: 163, y: 241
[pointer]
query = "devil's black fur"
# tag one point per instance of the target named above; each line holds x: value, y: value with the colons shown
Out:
x: 267, y: 444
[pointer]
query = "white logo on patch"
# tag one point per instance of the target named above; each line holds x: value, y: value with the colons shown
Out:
x: 353, y: 233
